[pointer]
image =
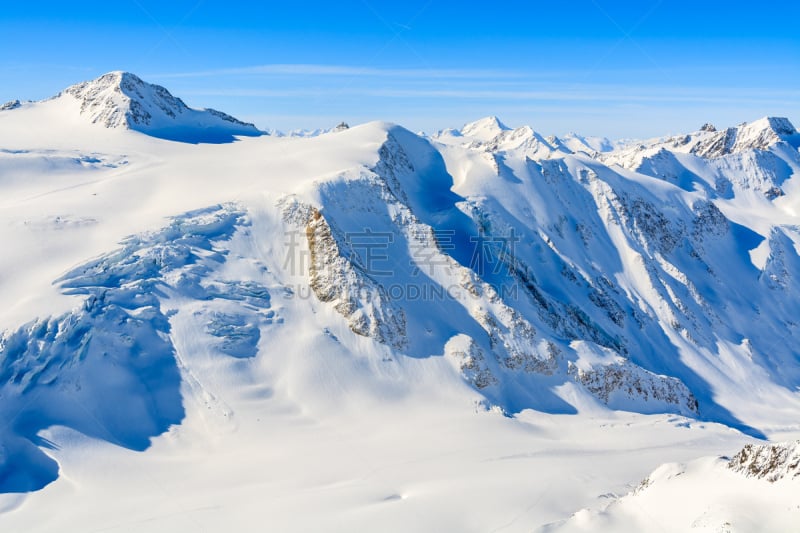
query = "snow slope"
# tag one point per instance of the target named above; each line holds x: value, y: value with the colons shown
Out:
x: 756, y: 490
x: 483, y: 330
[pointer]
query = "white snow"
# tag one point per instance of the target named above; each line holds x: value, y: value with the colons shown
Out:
x: 703, y: 495
x: 195, y: 339
x: 122, y: 99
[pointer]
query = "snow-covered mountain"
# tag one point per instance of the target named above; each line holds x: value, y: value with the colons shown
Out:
x: 580, y: 143
x: 492, y: 136
x: 376, y: 324
x: 123, y: 100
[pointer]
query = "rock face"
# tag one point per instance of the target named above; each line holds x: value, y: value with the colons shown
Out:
x: 622, y: 384
x: 470, y: 360
x: 123, y: 100
x: 365, y: 304
x: 772, y: 462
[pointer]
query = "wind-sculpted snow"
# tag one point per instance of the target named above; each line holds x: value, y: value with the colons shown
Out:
x: 108, y: 368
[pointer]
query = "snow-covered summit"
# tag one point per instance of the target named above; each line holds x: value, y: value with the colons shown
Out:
x: 489, y: 135
x: 759, y: 135
x: 308, y: 133
x: 123, y: 100
x: 580, y: 143
x: 747, y: 140
x: 484, y: 129
x: 492, y: 134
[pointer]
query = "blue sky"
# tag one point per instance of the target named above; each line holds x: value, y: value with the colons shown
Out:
x: 593, y: 66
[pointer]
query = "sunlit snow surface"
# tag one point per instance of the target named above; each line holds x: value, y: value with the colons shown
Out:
x: 198, y: 337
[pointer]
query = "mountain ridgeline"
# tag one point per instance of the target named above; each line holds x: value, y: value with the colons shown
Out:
x: 123, y: 100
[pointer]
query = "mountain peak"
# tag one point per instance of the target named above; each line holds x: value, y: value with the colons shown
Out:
x: 117, y: 78
x: 581, y: 143
x: 484, y: 129
x: 756, y: 135
x: 121, y: 99
x: 780, y: 125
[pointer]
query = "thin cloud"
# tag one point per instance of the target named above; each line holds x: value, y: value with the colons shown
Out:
x: 301, y: 69
x: 320, y: 70
x: 586, y: 94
